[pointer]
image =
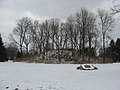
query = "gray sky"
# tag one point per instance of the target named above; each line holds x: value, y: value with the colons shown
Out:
x: 11, y: 10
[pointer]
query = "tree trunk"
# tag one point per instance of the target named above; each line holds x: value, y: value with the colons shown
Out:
x: 89, y: 51
x: 21, y: 52
x: 103, y: 48
x: 83, y: 49
x: 59, y: 54
x: 27, y: 50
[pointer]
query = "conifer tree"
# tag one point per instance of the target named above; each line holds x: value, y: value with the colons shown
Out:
x: 2, y: 51
x: 113, y: 50
x: 118, y: 49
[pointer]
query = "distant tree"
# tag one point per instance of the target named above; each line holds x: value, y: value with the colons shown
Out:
x: 20, y: 33
x: 91, y: 33
x: 82, y: 24
x: 71, y: 31
x: 65, y: 35
x: 36, y: 37
x: 45, y: 37
x: 87, y: 32
x: 113, y: 50
x: 11, y: 50
x: 118, y: 49
x: 2, y: 51
x: 106, y: 23
x: 109, y: 50
x: 55, y: 34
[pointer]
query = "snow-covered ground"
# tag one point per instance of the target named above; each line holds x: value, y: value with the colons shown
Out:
x: 31, y: 76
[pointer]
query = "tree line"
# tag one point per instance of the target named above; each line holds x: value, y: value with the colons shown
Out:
x: 83, y: 31
x: 80, y: 31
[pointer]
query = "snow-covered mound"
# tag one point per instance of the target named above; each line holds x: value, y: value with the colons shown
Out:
x: 32, y: 76
x: 87, y: 67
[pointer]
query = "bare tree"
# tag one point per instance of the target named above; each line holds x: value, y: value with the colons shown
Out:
x: 19, y: 32
x: 78, y: 27
x: 39, y: 38
x: 82, y: 21
x: 64, y: 35
x: 46, y: 36
x: 55, y: 34
x: 33, y: 35
x: 115, y: 9
x: 71, y: 27
x: 91, y: 32
x: 106, y: 23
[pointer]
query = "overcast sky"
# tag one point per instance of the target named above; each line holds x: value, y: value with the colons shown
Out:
x: 11, y: 10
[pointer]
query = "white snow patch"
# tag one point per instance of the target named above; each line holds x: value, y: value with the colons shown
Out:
x: 33, y: 76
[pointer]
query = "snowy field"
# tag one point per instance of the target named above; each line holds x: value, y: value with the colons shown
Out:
x: 27, y: 76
